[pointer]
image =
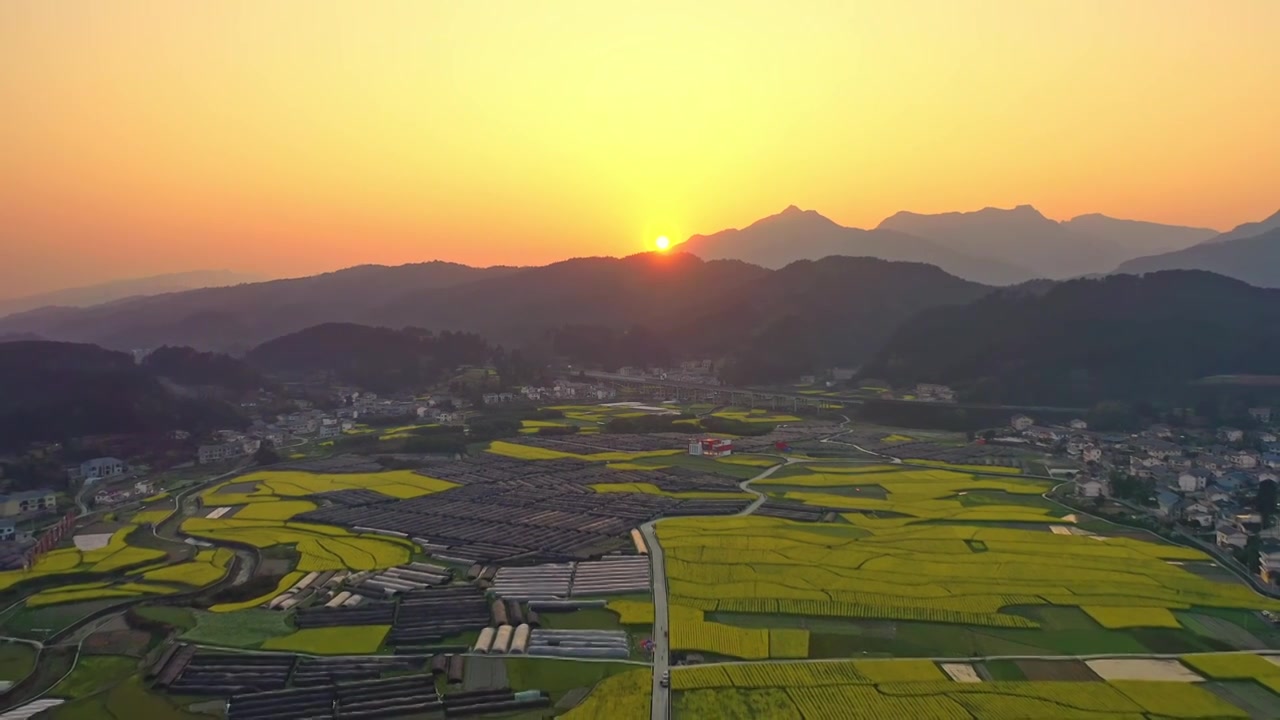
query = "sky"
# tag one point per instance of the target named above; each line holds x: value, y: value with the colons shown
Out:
x: 290, y: 137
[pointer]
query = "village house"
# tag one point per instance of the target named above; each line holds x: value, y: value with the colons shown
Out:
x: 1167, y: 503
x: 1043, y: 434
x: 1230, y: 535
x: 25, y: 501
x: 497, y: 398
x: 1157, y: 448
x: 1245, y: 459
x: 1091, y: 453
x: 229, y: 450
x: 1194, y: 480
x: 1230, y: 434
x: 1078, y: 424
x: 1231, y: 483
x: 1261, y: 414
x: 1021, y: 423
x: 1160, y: 431
x: 1091, y: 487
x: 1269, y: 560
x: 101, y: 468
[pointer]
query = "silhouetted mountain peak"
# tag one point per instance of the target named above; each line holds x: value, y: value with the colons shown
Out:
x: 793, y: 215
x: 1249, y: 229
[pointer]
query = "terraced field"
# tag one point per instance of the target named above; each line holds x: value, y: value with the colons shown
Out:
x: 260, y: 507
x: 274, y: 485
x: 117, y: 554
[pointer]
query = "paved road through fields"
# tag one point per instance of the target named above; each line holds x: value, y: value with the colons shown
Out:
x: 661, y: 624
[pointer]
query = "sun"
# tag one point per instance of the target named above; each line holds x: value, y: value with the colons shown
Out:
x: 662, y: 243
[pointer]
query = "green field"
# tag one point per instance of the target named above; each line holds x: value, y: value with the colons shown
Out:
x: 127, y: 699
x: 353, y: 640
x: 243, y: 629
x: 16, y: 661
x: 94, y: 674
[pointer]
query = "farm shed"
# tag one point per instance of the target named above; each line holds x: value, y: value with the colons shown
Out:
x: 498, y: 610
x: 520, y: 640
x: 502, y: 640
x: 485, y: 641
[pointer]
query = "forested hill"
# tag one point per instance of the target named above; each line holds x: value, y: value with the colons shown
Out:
x: 1121, y: 337
x: 385, y: 360
x: 53, y: 391
x: 767, y: 326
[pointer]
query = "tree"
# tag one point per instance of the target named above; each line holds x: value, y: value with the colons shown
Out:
x: 266, y: 454
x: 1266, y: 501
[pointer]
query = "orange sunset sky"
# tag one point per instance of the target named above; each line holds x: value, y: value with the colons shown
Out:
x: 286, y: 137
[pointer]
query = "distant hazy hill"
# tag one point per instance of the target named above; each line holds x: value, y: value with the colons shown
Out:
x: 1086, y: 340
x: 796, y: 234
x: 1022, y: 235
x: 237, y: 318
x: 1250, y: 229
x: 1255, y: 260
x: 1136, y: 237
x: 771, y: 323
x: 117, y: 289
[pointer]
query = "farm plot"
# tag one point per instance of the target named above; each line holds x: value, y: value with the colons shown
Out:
x: 349, y: 640
x: 756, y: 416
x: 319, y: 671
x: 625, y: 696
x: 116, y: 554
x: 430, y: 616
x: 610, y: 575
x: 882, y: 689
x: 185, y: 671
x: 916, y: 495
x: 406, y: 578
x: 544, y: 511
x: 919, y: 572
x: 1262, y: 670
x: 614, y: 644
x: 322, y: 547
x: 937, y: 451
x: 286, y: 582
x: 208, y: 567
x: 364, y: 613
x: 271, y: 485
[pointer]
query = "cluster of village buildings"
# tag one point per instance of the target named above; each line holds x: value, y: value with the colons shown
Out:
x: 1204, y: 479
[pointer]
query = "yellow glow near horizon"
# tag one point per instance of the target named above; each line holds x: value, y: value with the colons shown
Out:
x: 292, y: 137
x: 662, y: 243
